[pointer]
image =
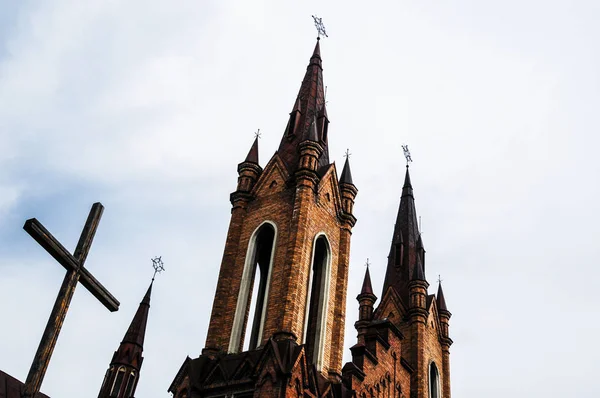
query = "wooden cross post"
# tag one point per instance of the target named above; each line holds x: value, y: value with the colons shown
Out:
x: 75, y: 273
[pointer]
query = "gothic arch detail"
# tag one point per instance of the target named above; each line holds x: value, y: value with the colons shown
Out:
x: 258, y: 262
x: 317, y: 299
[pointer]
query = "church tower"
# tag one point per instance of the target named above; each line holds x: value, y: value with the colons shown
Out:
x: 123, y: 372
x: 403, y: 346
x: 277, y: 322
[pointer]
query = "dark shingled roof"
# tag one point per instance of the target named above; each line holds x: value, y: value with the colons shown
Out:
x: 137, y: 329
x: 308, y: 106
x: 346, y: 177
x: 253, y: 153
x: 12, y: 388
x: 441, y: 301
x: 366, y: 287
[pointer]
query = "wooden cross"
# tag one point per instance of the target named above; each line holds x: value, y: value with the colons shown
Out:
x: 73, y: 263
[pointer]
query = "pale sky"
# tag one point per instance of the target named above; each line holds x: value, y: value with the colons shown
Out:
x: 148, y: 106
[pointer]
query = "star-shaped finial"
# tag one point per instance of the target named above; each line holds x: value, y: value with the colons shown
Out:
x: 367, y: 263
x: 406, y: 154
x: 347, y: 154
x: 158, y: 266
x: 257, y: 134
x: 320, y: 27
x: 440, y: 278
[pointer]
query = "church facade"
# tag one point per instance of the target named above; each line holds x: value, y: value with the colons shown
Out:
x: 279, y: 311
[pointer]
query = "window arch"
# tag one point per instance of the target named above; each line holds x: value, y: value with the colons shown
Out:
x: 317, y: 300
x: 130, y: 384
x: 254, y: 289
x: 118, y: 382
x: 434, y: 381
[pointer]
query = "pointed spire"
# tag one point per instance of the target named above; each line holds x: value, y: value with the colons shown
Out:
x: 253, y: 153
x: 366, y: 286
x: 407, y: 189
x: 307, y: 107
x: 137, y: 329
x: 316, y: 56
x: 418, y: 274
x: 406, y: 243
x: 346, y: 176
x: 441, y: 301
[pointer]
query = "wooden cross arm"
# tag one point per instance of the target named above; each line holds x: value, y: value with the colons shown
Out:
x: 41, y: 235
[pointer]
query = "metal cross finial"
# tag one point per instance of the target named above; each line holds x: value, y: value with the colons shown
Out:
x: 320, y: 27
x: 440, y: 278
x: 257, y: 134
x: 367, y: 263
x: 406, y: 154
x: 347, y: 154
x: 158, y: 266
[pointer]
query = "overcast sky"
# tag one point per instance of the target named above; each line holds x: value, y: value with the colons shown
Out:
x: 148, y: 106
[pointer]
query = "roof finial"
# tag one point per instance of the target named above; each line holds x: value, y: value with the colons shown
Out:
x: 440, y: 279
x: 347, y: 154
x: 158, y: 266
x: 320, y: 27
x: 406, y: 154
x: 257, y: 135
x: 367, y: 263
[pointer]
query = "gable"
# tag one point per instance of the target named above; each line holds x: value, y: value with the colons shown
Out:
x: 328, y: 190
x: 273, y: 178
x: 391, y: 307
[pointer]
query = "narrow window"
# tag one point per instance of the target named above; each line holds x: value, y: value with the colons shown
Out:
x: 118, y: 382
x: 398, y: 254
x: 252, y: 298
x: 434, y: 381
x: 317, y: 300
x: 130, y: 383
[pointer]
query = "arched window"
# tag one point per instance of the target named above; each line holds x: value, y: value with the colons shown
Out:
x: 130, y: 384
x: 316, y: 300
x: 118, y: 382
x: 254, y: 290
x: 434, y: 381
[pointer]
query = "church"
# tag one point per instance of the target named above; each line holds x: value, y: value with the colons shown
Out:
x: 278, y: 315
x: 279, y: 310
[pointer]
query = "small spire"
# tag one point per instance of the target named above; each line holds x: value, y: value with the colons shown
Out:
x: 367, y: 288
x: 418, y: 274
x: 441, y: 301
x: 312, y: 133
x: 323, y: 113
x: 253, y: 153
x: 346, y: 176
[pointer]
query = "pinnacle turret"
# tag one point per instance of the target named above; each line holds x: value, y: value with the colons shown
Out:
x: 253, y: 153
x: 346, y: 176
x: 366, y: 287
x: 441, y: 301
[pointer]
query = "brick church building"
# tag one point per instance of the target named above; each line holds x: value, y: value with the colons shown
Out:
x: 279, y: 311
x: 278, y: 316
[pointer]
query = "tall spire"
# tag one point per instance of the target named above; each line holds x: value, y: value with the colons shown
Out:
x: 137, y: 329
x: 307, y: 113
x: 122, y: 375
x: 406, y: 245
